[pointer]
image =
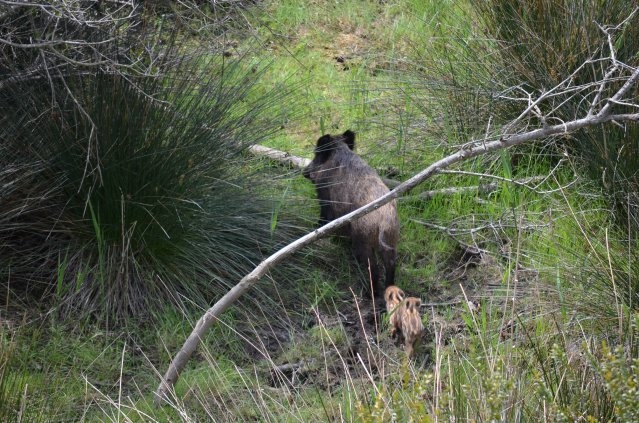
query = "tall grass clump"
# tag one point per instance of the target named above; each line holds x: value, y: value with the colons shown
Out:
x: 524, y: 49
x: 480, y: 70
x: 611, y: 272
x: 121, y: 194
x: 544, y: 42
x: 12, y: 386
x: 476, y: 78
x: 547, y: 369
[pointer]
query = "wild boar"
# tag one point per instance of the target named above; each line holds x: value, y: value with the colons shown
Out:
x: 344, y: 182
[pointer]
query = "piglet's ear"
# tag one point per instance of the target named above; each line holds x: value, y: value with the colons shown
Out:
x: 349, y: 139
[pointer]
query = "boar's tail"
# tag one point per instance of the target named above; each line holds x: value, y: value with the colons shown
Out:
x: 387, y: 239
x: 384, y: 243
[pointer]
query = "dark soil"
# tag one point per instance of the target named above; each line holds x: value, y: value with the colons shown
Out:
x: 366, y: 345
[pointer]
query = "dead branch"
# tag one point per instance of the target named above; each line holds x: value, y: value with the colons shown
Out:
x: 279, y: 156
x: 287, y: 367
x: 288, y: 159
x: 75, y: 35
x: 298, y: 162
x: 477, y: 189
x: 500, y: 140
x: 473, y: 189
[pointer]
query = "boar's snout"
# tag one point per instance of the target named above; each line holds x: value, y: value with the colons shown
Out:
x: 308, y: 170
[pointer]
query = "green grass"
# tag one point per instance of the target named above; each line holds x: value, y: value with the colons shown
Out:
x: 550, y: 335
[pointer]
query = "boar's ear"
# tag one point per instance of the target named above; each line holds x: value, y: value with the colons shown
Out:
x: 323, y: 141
x: 324, y: 148
x: 349, y: 139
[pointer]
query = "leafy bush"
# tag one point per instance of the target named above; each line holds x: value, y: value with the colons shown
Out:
x: 619, y: 369
x: 122, y: 194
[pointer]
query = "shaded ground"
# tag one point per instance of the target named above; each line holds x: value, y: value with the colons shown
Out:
x: 351, y: 342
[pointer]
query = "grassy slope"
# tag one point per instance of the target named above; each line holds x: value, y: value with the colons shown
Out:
x: 347, y: 56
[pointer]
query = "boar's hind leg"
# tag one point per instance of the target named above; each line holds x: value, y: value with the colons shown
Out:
x: 366, y: 257
x: 389, y: 257
x: 325, y: 213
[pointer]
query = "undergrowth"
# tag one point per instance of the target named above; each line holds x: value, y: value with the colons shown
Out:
x: 139, y: 192
x: 528, y: 282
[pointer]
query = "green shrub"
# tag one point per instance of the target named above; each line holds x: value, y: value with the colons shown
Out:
x: 121, y: 194
x: 619, y: 370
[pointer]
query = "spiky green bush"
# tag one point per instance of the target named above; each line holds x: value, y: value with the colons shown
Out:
x: 122, y: 194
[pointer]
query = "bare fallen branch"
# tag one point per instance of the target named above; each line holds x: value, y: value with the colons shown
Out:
x: 288, y: 159
x: 300, y: 162
x: 482, y: 188
x: 470, y: 150
x: 280, y: 156
x: 296, y: 161
x: 287, y: 367
x: 473, y: 189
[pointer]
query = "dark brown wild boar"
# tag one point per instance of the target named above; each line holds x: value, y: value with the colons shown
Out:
x: 344, y: 182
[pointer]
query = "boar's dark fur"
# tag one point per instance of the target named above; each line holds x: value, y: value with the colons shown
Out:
x: 344, y: 182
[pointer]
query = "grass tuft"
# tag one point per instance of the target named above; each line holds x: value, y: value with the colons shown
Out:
x: 124, y: 195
